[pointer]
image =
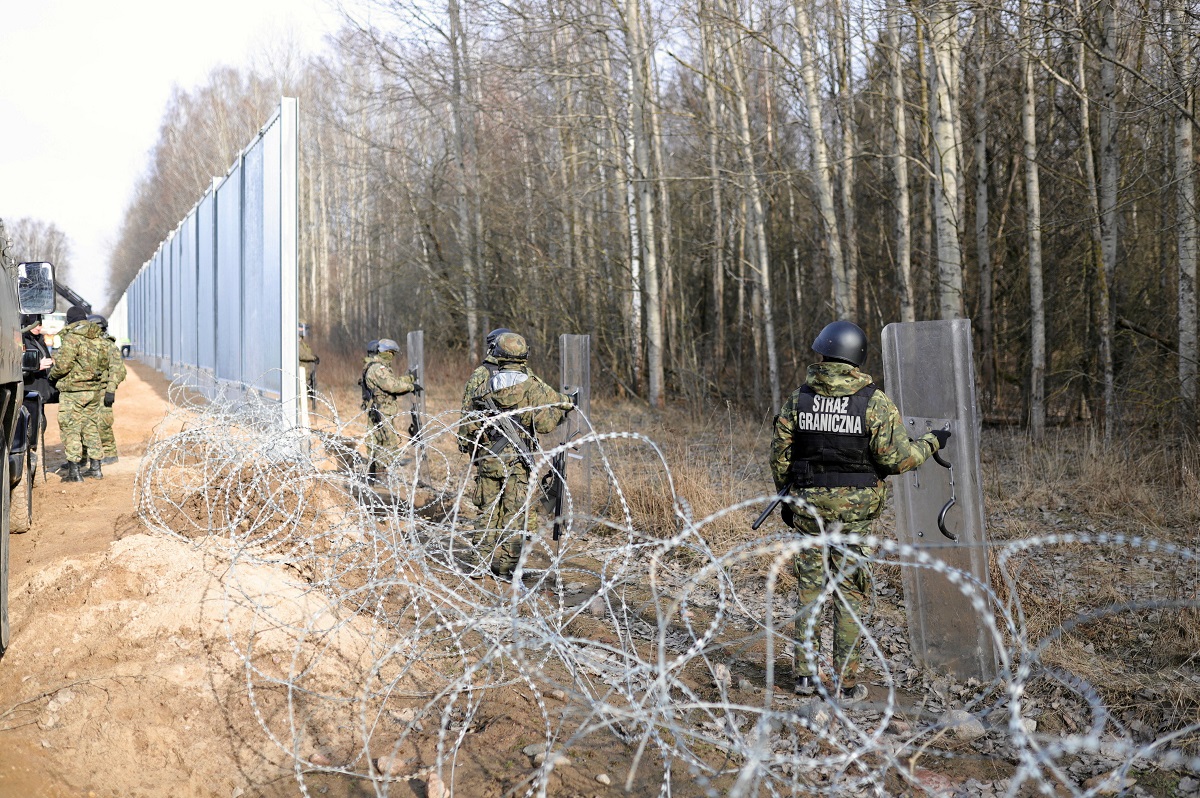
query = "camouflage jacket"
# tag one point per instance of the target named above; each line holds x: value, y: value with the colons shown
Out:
x: 116, y: 364
x: 511, y: 388
x: 384, y: 386
x: 892, y: 451
x: 81, y: 363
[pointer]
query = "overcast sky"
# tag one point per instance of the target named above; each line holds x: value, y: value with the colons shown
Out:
x: 83, y: 85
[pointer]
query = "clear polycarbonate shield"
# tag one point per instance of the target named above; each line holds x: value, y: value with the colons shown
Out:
x: 416, y: 366
x: 575, y: 369
x: 929, y: 373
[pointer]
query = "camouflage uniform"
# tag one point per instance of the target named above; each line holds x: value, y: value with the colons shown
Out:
x: 81, y: 371
x: 116, y: 375
x: 386, y: 389
x: 501, y: 472
x: 479, y: 376
x: 309, y: 361
x: 855, y: 508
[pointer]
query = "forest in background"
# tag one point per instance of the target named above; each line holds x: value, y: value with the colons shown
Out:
x: 702, y: 186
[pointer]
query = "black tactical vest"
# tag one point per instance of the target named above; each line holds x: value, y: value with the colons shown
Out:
x: 831, y: 445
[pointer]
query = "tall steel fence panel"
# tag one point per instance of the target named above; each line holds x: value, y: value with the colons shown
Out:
x: 217, y: 302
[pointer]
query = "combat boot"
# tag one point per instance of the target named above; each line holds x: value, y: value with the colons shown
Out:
x: 72, y: 474
x: 94, y: 470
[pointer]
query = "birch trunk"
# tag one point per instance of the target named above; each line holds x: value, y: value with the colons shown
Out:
x: 900, y: 167
x: 1033, y: 213
x: 1109, y: 166
x: 943, y: 47
x: 822, y: 177
x: 982, y: 215
x: 640, y: 129
x: 1185, y: 216
x: 755, y: 216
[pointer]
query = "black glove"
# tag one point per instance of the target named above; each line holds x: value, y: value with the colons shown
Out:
x: 942, y: 436
x: 785, y: 512
x: 418, y: 388
x: 109, y: 398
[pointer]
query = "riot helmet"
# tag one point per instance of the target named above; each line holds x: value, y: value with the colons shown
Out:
x: 511, y: 347
x: 96, y: 318
x: 493, y: 336
x: 373, y: 347
x: 388, y: 345
x: 843, y: 341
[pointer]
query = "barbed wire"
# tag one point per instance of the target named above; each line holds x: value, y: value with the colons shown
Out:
x: 380, y: 659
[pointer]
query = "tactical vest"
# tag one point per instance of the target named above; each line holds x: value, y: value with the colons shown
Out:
x: 831, y: 445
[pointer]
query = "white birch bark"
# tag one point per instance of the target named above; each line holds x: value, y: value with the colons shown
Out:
x: 943, y: 50
x: 823, y: 177
x: 903, y: 215
x: 1109, y: 166
x: 1033, y: 215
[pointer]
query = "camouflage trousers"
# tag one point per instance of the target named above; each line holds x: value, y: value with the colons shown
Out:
x: 504, y: 519
x: 79, y: 423
x: 108, y: 442
x: 383, y: 442
x: 850, y: 576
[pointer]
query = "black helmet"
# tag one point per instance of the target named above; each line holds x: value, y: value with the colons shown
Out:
x: 493, y: 336
x: 511, y: 347
x: 842, y: 340
x: 388, y: 345
x: 96, y: 318
x: 373, y: 347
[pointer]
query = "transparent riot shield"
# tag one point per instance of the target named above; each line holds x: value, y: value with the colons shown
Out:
x: 416, y: 367
x: 575, y: 362
x: 929, y: 373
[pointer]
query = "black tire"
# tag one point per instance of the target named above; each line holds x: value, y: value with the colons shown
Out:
x: 4, y: 507
x: 20, y: 514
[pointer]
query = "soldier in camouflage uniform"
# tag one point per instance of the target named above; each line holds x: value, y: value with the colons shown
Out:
x: 116, y: 375
x: 835, y: 440
x: 80, y: 372
x: 479, y: 376
x: 382, y: 390
x: 504, y: 448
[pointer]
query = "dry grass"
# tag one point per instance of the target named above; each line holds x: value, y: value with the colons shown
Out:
x: 1144, y: 660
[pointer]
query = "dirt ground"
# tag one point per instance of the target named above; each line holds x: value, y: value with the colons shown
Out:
x: 106, y: 685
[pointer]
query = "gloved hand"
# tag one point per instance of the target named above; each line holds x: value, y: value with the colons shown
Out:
x: 109, y: 398
x: 785, y: 512
x: 418, y: 388
x: 942, y: 436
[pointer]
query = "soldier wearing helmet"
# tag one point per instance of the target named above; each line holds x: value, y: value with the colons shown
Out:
x: 479, y: 376
x: 508, y: 411
x: 116, y: 375
x: 835, y: 440
x: 382, y: 389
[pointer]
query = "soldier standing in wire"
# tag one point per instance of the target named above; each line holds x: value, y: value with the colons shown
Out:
x: 508, y: 412
x: 835, y: 440
x: 381, y: 390
x: 80, y: 372
x: 479, y: 376
x: 116, y: 375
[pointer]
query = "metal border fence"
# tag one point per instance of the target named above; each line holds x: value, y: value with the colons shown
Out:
x: 217, y: 303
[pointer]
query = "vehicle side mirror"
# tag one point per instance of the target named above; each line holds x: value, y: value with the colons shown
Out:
x: 35, y: 287
x: 31, y: 360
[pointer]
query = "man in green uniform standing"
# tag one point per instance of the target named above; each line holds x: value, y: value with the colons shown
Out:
x: 478, y: 377
x: 116, y: 375
x: 835, y: 440
x: 509, y: 411
x: 80, y: 372
x: 382, y: 389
